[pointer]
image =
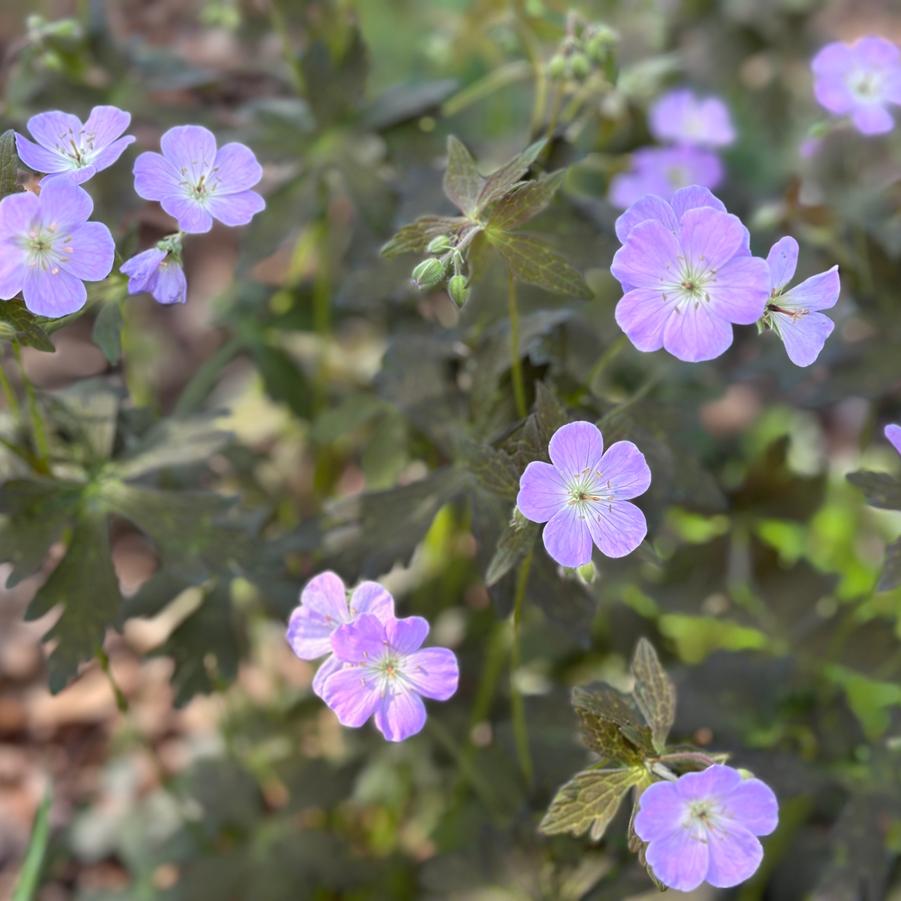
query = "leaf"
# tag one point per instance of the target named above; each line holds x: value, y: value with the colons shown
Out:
x: 9, y: 164
x: 285, y: 382
x: 535, y: 263
x: 462, y: 182
x: 18, y: 324
x: 891, y: 569
x: 515, y: 541
x: 524, y: 202
x: 84, y: 584
x: 30, y: 873
x: 504, y: 179
x: 415, y: 237
x: 880, y: 488
x: 599, y: 705
x: 334, y: 72
x: 654, y: 692
x: 107, y: 332
x: 550, y: 414
x: 493, y: 469
x: 86, y: 412
x: 404, y: 102
x: 589, y: 801
x: 173, y: 442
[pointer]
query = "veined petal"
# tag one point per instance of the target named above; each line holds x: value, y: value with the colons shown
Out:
x: 710, y: 238
x: 642, y: 314
x: 734, y: 856
x: 18, y: 213
x: 54, y: 129
x: 433, y: 672
x: 542, y: 492
x: 740, y: 290
x: 39, y: 158
x: 362, y: 641
x: 695, y: 333
x: 309, y: 635
x: 782, y: 260
x: 660, y: 811
x: 236, y: 209
x: 649, y: 257
x: 370, y: 597
x: 141, y: 268
x: 352, y: 693
x: 819, y: 292
x: 649, y: 207
x: 93, y: 252
x: 155, y: 177
x: 567, y: 539
x: 616, y: 528
x: 624, y: 468
x: 328, y: 667
x: 110, y: 154
x: 325, y: 595
x: 575, y: 448
x: 236, y: 169
x: 191, y: 149
x: 64, y: 204
x: 53, y: 294
x: 715, y: 780
x: 803, y: 335
x: 12, y: 270
x: 192, y: 217
x: 753, y: 804
x: 105, y: 124
x: 694, y: 197
x: 679, y: 860
x: 171, y: 285
x: 400, y: 715
x: 406, y: 635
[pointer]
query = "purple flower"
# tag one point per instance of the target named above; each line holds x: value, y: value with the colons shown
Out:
x: 794, y: 315
x: 662, y: 171
x: 66, y: 147
x: 196, y: 183
x: 158, y: 272
x: 893, y: 433
x: 859, y: 80
x: 703, y: 827
x: 688, y: 275
x: 583, y: 495
x: 48, y: 248
x: 324, y: 607
x: 681, y: 117
x: 386, y: 673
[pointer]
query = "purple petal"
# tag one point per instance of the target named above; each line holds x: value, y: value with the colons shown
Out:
x: 893, y: 433
x: 625, y: 469
x: 325, y: 595
x: 740, y: 291
x: 110, y: 154
x: 819, y: 292
x: 93, y: 252
x: 236, y: 209
x: 236, y: 169
x: 370, y: 597
x: 64, y: 204
x: 155, y: 177
x: 753, y: 804
x: 650, y: 252
x: 716, y: 780
x: 542, y: 492
x: 831, y: 67
x: 39, y: 158
x: 877, y: 52
x: 191, y: 149
x: 433, y: 672
x: 406, y: 635
x: 710, y: 238
x: 105, y: 124
x: 73, y: 176
x: 782, y: 260
x: 872, y: 120
x: 734, y: 856
x: 683, y: 118
x: 352, y: 693
x: 191, y: 215
x: 322, y: 608
x: 54, y: 130
x: 617, y: 528
x: 567, y: 539
x: 660, y: 811
x: 400, y: 715
x: 171, y: 285
x: 361, y: 641
x: 18, y: 212
x: 53, y: 293
x: 695, y: 333
x: 694, y: 197
x: 803, y: 335
x: 642, y: 314
x: 12, y: 270
x: 649, y: 207
x: 575, y: 447
x: 679, y: 860
x: 328, y: 667
x: 141, y: 268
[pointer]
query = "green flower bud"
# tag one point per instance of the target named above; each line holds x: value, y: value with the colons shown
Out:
x: 587, y: 572
x: 458, y: 288
x: 439, y: 244
x: 556, y: 68
x: 579, y: 66
x: 428, y: 273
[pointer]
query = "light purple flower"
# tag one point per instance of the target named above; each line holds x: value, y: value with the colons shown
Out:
x: 704, y: 827
x: 196, y: 183
x: 65, y: 147
x: 794, y: 315
x: 386, y: 673
x: 324, y: 607
x: 893, y: 434
x: 859, y: 80
x: 48, y: 249
x: 583, y: 495
x: 159, y: 273
x: 688, y: 275
x: 682, y: 117
x: 662, y: 171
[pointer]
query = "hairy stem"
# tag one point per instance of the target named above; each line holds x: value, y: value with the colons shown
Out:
x: 38, y: 429
x: 519, y: 390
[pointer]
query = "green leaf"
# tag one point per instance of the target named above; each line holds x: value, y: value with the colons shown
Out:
x: 599, y: 705
x: 654, y: 692
x: 524, y: 202
x: 535, y: 263
x: 9, y: 164
x: 550, y: 414
x: 504, y: 179
x: 107, y: 332
x: 462, y: 182
x: 515, y: 541
x: 84, y: 584
x: 891, y: 569
x: 415, y: 237
x: 285, y: 382
x: 171, y: 443
x: 589, y: 801
x: 30, y: 874
x: 493, y: 469
x: 880, y: 488
x: 18, y: 324
x: 86, y: 412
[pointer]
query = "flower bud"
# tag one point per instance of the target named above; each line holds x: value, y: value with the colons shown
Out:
x: 439, y: 244
x: 587, y: 572
x: 579, y: 66
x: 428, y: 273
x: 556, y: 68
x: 458, y: 288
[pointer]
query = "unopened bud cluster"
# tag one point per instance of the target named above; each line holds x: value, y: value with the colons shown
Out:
x: 447, y: 261
x: 585, y: 49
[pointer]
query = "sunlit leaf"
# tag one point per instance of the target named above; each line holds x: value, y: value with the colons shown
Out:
x: 415, y: 237
x: 891, y: 569
x: 462, y: 182
x: 524, y: 202
x: 879, y: 488
x: 599, y: 705
x: 9, y: 163
x: 515, y: 541
x: 654, y: 692
x: 17, y: 324
x: 504, y: 179
x: 535, y: 263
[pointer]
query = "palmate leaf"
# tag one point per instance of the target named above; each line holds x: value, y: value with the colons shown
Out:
x: 493, y: 469
x: 891, y: 569
x: 415, y: 237
x: 612, y: 723
x: 524, y: 202
x: 879, y: 488
x: 462, y: 181
x: 654, y: 692
x: 589, y: 801
x: 17, y: 324
x: 515, y: 541
x: 532, y: 261
x: 9, y: 163
x: 504, y: 179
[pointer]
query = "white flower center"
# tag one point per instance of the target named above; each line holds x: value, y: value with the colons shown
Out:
x: 690, y: 284
x: 45, y: 248
x: 867, y: 85
x: 78, y: 148
x: 702, y: 817
x: 587, y: 489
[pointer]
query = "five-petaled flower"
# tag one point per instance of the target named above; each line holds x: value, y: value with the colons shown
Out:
x: 196, y: 183
x: 386, y: 672
x: 48, y: 249
x: 860, y: 80
x: 662, y: 171
x: 704, y: 826
x: 65, y: 147
x: 682, y: 117
x: 892, y: 433
x: 325, y: 606
x: 583, y: 495
x: 688, y: 275
x: 794, y: 315
x: 159, y: 272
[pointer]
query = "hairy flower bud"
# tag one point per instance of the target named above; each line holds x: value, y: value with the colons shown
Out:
x: 428, y: 273
x: 556, y: 68
x: 579, y: 66
x: 458, y: 289
x: 439, y: 244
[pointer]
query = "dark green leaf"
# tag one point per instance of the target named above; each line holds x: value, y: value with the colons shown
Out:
x: 9, y: 164
x: 535, y: 263
x: 284, y: 380
x: 406, y: 101
x: 85, y: 413
x: 17, y: 324
x: 550, y: 414
x: 462, y: 182
x: 524, y: 202
x: 515, y: 541
x: 334, y: 73
x: 171, y: 443
x: 600, y: 704
x: 589, y: 801
x: 107, y: 332
x: 891, y: 569
x: 879, y: 488
x: 504, y: 179
x: 415, y: 237
x: 654, y: 692
x: 494, y: 469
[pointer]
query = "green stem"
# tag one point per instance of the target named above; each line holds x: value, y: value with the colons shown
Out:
x: 612, y: 351
x: 322, y: 314
x: 10, y: 395
x: 520, y: 731
x: 519, y: 390
x: 38, y: 429
x: 202, y: 383
x: 121, y: 700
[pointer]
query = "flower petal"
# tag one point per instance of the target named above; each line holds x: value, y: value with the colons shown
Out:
x: 110, y: 154
x: 660, y: 811
x: 542, y: 492
x: 893, y: 433
x: 155, y: 177
x: 782, y: 260
x: 803, y: 335
x: 18, y: 212
x: 753, y: 804
x: 64, y: 204
x: 567, y: 539
x: 715, y: 780
x: 625, y: 469
x: 352, y: 694
x: 325, y: 595
x: 370, y: 597
x: 819, y: 292
x: 734, y: 856
x: 617, y: 528
x: 236, y: 209
x: 831, y: 66
x: 642, y: 314
x: 330, y: 665
x: 93, y: 252
x: 694, y: 334
x: 433, y: 672
x: 53, y: 294
x: 309, y: 634
x: 54, y: 129
x: 575, y: 448
x: 12, y: 270
x: 361, y: 641
x: 400, y: 715
x: 872, y: 120
x: 171, y: 285
x: 740, y: 290
x: 39, y: 158
x: 406, y: 635
x: 679, y: 860
x: 236, y: 169
x: 142, y: 268
x: 710, y: 238
x: 693, y: 197
x: 105, y: 124
x: 650, y: 253
x: 649, y: 207
x: 191, y: 216
x: 191, y: 149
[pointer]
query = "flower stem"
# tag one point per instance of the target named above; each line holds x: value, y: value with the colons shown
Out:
x: 38, y: 429
x: 520, y: 731
x: 519, y: 390
x: 121, y: 700
x: 9, y: 394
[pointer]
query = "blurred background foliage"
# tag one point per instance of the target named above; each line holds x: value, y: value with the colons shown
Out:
x: 309, y: 409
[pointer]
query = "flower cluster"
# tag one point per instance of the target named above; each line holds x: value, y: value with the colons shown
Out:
x: 692, y: 127
x: 375, y: 664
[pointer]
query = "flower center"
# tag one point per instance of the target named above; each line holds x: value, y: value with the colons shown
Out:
x: 690, y: 286
x: 42, y: 250
x: 587, y: 489
x: 702, y: 817
x: 866, y: 86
